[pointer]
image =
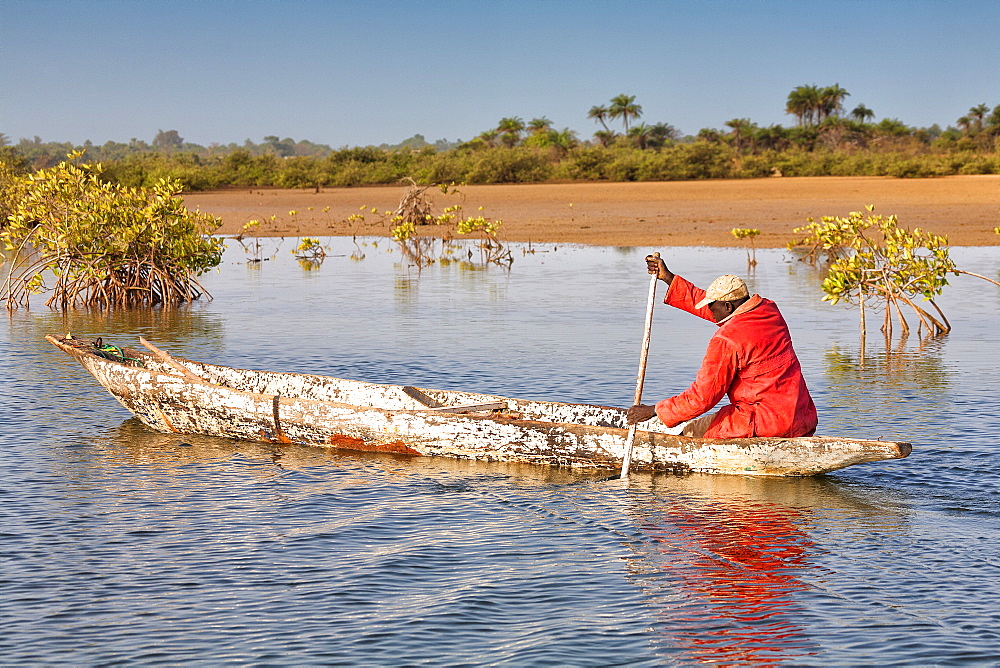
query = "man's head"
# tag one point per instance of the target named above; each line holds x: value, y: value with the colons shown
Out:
x: 724, y: 296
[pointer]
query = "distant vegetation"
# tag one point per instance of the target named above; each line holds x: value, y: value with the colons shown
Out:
x: 826, y: 140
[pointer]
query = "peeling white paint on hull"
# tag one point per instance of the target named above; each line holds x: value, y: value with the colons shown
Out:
x: 339, y: 413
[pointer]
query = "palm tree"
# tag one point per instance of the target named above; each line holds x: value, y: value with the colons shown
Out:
x: 802, y: 103
x: 742, y: 127
x: 993, y: 120
x: 965, y: 123
x: 510, y: 130
x: 810, y: 104
x: 640, y: 134
x: 605, y: 137
x: 977, y: 114
x: 599, y: 113
x: 831, y: 99
x: 862, y: 114
x: 563, y: 140
x: 539, y: 125
x: 660, y: 134
x: 624, y: 107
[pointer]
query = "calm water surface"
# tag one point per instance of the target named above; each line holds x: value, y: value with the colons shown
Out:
x: 119, y: 545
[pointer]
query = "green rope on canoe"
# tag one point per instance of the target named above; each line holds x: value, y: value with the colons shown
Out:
x: 115, y: 354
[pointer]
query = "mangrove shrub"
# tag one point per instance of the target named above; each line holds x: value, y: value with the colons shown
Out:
x: 875, y: 260
x: 103, y: 244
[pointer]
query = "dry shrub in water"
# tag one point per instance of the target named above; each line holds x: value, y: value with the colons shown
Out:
x: 416, y: 208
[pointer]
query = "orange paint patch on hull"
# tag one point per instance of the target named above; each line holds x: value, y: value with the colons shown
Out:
x: 275, y: 438
x: 166, y: 421
x: 352, y: 443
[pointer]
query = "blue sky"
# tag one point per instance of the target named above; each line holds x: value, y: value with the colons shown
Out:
x: 374, y: 71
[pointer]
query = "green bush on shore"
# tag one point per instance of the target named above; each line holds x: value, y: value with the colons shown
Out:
x: 479, y: 164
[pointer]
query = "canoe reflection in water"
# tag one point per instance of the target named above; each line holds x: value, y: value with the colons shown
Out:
x: 723, y: 571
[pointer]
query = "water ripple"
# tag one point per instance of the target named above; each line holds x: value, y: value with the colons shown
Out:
x: 118, y: 545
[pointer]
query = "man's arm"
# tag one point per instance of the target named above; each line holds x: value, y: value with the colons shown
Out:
x: 716, y: 374
x: 684, y: 295
x: 718, y: 369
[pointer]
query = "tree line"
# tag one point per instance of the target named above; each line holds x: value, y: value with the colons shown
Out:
x: 826, y: 139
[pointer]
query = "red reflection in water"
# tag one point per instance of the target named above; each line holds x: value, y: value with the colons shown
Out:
x: 729, y: 571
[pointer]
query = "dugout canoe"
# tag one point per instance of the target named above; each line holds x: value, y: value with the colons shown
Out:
x: 171, y: 394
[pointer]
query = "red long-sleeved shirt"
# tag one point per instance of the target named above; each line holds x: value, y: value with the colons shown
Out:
x: 751, y: 360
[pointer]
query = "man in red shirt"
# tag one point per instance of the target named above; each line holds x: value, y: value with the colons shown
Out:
x: 750, y: 359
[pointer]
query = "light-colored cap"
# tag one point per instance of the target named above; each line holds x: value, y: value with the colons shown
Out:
x: 724, y: 289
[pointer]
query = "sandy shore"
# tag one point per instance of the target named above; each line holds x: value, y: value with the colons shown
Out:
x: 691, y: 213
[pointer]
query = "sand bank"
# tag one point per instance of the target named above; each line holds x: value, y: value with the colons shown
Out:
x: 690, y: 213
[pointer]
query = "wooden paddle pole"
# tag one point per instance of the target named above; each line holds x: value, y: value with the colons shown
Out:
x: 630, y: 438
x: 164, y: 357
